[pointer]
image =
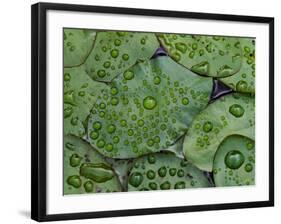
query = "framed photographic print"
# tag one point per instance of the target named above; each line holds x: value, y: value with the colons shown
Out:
x: 139, y: 111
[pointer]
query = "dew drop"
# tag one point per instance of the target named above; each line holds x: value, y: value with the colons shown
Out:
x: 157, y: 80
x: 88, y: 186
x: 165, y: 186
x: 149, y: 103
x: 201, y: 68
x: 99, y: 172
x: 101, y: 143
x: 162, y: 171
x: 181, y: 47
x: 180, y: 185
x: 234, y: 159
x: 94, y: 135
x: 97, y: 125
x: 236, y: 110
x: 172, y: 171
x: 248, y: 167
x: 125, y: 57
x: 74, y: 181
x: 114, y: 53
x: 208, y: 126
x: 241, y: 86
x: 136, y: 179
x: 185, y: 101
x: 101, y: 73
x: 75, y: 160
x: 151, y: 159
x: 150, y: 174
x: 128, y: 75
x: 152, y: 186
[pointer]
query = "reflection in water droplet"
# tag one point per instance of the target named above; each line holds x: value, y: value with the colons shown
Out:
x: 149, y: 103
x: 236, y: 110
x: 136, y: 179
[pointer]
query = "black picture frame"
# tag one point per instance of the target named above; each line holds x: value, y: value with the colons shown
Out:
x: 39, y: 108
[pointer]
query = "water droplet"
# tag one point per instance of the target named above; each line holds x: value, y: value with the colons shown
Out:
x: 130, y: 132
x: 172, y: 171
x: 125, y: 57
x: 157, y: 80
x: 140, y: 122
x: 208, y: 126
x: 241, y: 86
x: 66, y: 77
x: 150, y: 174
x: 67, y: 112
x: 114, y: 53
x: 185, y: 101
x: 115, y: 139
x: 165, y: 186
x: 152, y: 186
x: 106, y: 64
x: 250, y: 145
x: 94, y: 135
x: 225, y: 71
x: 68, y: 98
x: 74, y: 121
x: 109, y: 147
x: 234, y: 159
x: 111, y: 128
x: 97, y: 125
x: 150, y: 142
x: 248, y: 167
x: 74, y: 181
x: 88, y: 186
x: 180, y: 185
x: 181, y: 47
x: 128, y: 75
x: 236, y: 110
x: 117, y: 42
x: 149, y: 103
x: 201, y: 68
x: 101, y: 73
x: 151, y: 159
x: 162, y: 171
x: 101, y: 143
x: 75, y: 160
x: 180, y: 173
x: 143, y: 41
x: 114, y: 101
x: 99, y: 172
x: 121, y: 34
x: 135, y: 179
x: 81, y: 93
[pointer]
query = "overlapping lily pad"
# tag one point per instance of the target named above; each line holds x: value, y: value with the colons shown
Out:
x: 85, y: 170
x: 147, y: 108
x: 114, y: 52
x: 205, y: 55
x: 234, y: 163
x: 244, y: 80
x: 229, y: 115
x: 78, y: 43
x: 80, y: 91
x: 164, y: 171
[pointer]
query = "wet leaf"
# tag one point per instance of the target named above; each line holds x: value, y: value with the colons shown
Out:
x: 244, y: 80
x: 114, y: 52
x: 234, y: 163
x: 229, y: 115
x: 80, y: 91
x: 77, y: 44
x: 164, y: 171
x: 205, y: 55
x: 85, y: 170
x: 147, y: 108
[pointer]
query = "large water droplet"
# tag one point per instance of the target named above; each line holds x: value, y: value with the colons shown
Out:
x: 181, y: 47
x: 74, y: 181
x: 97, y: 125
x: 149, y: 103
x: 241, y: 86
x: 97, y: 172
x: 100, y: 143
x: 152, y: 186
x: 114, y: 53
x: 180, y: 185
x: 248, y: 167
x: 69, y: 98
x: 165, y: 186
x: 101, y: 73
x: 136, y: 179
x: 128, y: 75
x: 185, y: 101
x: 75, y: 160
x: 201, y: 68
x: 150, y: 174
x: 234, y: 159
x: 162, y: 171
x: 88, y: 186
x: 208, y: 126
x: 236, y: 110
x: 111, y: 128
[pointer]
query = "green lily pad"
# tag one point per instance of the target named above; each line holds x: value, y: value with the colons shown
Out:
x: 77, y: 45
x: 80, y: 91
x: 85, y: 170
x: 244, y: 80
x: 164, y: 171
x: 114, y: 52
x: 147, y: 108
x: 234, y: 163
x: 205, y: 55
x: 229, y: 115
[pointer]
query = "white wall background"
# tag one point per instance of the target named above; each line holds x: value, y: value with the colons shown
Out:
x: 15, y: 110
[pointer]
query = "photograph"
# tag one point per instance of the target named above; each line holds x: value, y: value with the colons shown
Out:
x: 157, y: 111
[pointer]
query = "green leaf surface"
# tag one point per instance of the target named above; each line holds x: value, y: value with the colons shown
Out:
x: 229, y: 115
x: 234, y: 163
x: 77, y: 44
x: 85, y: 170
x: 205, y: 55
x: 114, y: 52
x: 147, y: 108
x: 80, y: 92
x: 244, y: 80
x: 164, y: 171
